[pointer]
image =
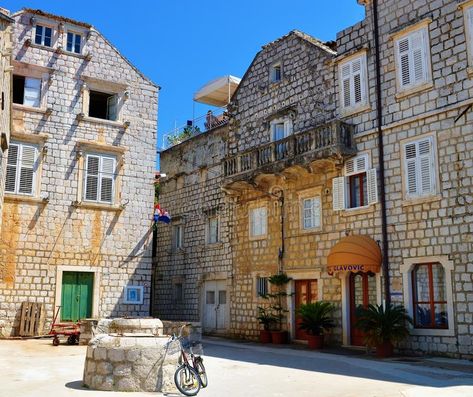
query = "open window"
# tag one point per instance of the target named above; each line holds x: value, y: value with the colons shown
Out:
x: 103, y: 105
x: 27, y: 91
x: 275, y: 73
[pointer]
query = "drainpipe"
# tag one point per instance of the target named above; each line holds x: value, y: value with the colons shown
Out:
x: 281, y: 250
x: 379, y: 112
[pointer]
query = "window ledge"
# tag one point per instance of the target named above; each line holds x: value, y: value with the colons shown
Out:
x: 10, y: 197
x: 74, y: 54
x: 102, y: 121
x: 367, y: 209
x: 26, y: 108
x: 432, y: 332
x: 315, y: 230
x: 421, y: 200
x: 414, y: 90
x: 350, y: 111
x: 216, y: 245
x: 42, y: 47
x: 258, y: 238
x: 98, y: 206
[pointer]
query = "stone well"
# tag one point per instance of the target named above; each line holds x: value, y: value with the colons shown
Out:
x: 132, y: 359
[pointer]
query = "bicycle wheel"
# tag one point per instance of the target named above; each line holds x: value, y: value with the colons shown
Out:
x: 187, y: 380
x: 199, y: 367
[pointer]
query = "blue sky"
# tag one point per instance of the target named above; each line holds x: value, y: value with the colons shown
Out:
x: 182, y: 44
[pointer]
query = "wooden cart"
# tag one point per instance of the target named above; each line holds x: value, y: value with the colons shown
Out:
x: 69, y: 329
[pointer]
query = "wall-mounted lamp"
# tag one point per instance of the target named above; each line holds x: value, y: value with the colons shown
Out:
x: 44, y: 196
x: 49, y: 110
x: 126, y: 95
x: 79, y: 154
x: 124, y: 204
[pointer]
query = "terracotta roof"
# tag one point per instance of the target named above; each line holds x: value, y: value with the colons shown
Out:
x: 52, y: 16
x: 305, y: 37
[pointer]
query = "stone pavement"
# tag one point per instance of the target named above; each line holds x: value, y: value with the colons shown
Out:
x: 34, y: 368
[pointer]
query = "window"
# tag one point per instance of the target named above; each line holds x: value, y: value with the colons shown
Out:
x: 103, y: 105
x: 412, y: 59
x: 178, y: 292
x: 281, y: 129
x: 429, y: 296
x: 22, y: 164
x: 358, y: 188
x: 178, y: 236
x: 74, y: 42
x: 353, y: 82
x: 258, y: 222
x: 419, y: 168
x: 134, y: 295
x: 100, y: 175
x: 26, y: 91
x: 311, y: 211
x: 43, y: 35
x: 468, y: 12
x: 262, y: 286
x: 212, y: 230
x: 275, y: 73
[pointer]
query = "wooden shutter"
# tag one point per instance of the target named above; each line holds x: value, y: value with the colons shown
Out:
x: 403, y: 62
x: 27, y: 169
x: 412, y: 58
x: 32, y: 94
x: 426, y: 167
x: 345, y: 79
x: 12, y: 166
x: 356, y: 165
x: 418, y: 56
x: 92, y: 178
x: 107, y: 178
x: 357, y: 83
x: 410, y: 154
x: 419, y: 162
x: 338, y: 193
x: 372, y: 180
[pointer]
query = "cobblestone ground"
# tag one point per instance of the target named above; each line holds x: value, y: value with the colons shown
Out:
x: 36, y: 368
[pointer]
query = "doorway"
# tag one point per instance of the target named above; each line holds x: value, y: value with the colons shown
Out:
x: 305, y: 292
x: 363, y: 292
x: 77, y: 295
x: 215, y: 311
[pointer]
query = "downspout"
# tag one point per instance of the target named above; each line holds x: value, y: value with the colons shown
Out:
x: 379, y: 113
x: 281, y: 250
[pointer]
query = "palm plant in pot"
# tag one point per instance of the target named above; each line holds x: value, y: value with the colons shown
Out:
x: 316, y: 319
x: 266, y: 319
x: 384, y: 326
x: 279, y: 281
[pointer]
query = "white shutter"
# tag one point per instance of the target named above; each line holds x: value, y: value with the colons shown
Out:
x: 112, y: 104
x: 469, y: 16
x: 32, y: 94
x: 357, y: 83
x: 426, y: 167
x: 338, y: 193
x: 403, y: 59
x: 412, y: 58
x: 418, y: 56
x: 352, y: 78
x: 263, y: 220
x: 92, y: 178
x: 27, y: 169
x: 410, y: 153
x: 420, y: 172
x: 345, y: 77
x: 12, y: 164
x: 372, y: 180
x: 356, y: 165
x: 287, y: 128
x: 107, y: 179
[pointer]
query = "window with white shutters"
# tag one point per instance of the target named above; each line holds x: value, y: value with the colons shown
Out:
x: 353, y: 83
x: 311, y: 213
x: 412, y: 62
x: 21, y: 168
x: 258, y: 221
x: 280, y: 129
x: 99, y: 181
x: 358, y: 187
x: 419, y: 168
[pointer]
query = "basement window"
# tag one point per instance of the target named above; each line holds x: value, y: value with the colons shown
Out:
x: 26, y: 91
x: 103, y: 105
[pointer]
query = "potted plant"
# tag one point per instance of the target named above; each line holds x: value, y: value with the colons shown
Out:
x: 279, y: 281
x: 315, y: 320
x: 265, y: 318
x: 383, y: 326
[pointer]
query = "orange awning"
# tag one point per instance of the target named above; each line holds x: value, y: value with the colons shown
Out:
x: 354, y: 254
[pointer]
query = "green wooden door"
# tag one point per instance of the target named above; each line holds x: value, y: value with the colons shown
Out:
x: 77, y: 292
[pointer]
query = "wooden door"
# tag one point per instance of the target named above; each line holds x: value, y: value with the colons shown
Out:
x: 215, y: 306
x: 362, y: 294
x: 77, y: 294
x: 306, y: 292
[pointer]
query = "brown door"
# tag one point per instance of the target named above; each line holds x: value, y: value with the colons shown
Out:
x: 306, y: 292
x: 362, y: 294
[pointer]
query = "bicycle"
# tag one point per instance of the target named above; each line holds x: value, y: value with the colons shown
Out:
x: 190, y: 376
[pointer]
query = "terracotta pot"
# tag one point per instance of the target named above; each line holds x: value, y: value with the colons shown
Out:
x: 279, y: 337
x: 385, y: 349
x: 315, y: 341
x: 265, y: 336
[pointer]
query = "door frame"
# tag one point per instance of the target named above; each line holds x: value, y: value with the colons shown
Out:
x: 85, y: 269
x: 345, y: 280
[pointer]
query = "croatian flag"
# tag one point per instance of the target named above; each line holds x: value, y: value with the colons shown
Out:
x: 161, y: 215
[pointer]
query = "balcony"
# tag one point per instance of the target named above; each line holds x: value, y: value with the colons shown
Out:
x: 331, y: 141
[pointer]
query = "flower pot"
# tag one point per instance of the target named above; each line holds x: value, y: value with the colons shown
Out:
x: 279, y: 337
x: 385, y: 349
x: 265, y: 336
x: 315, y: 341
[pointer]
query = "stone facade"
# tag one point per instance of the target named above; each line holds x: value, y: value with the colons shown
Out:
x: 303, y: 124
x: 63, y: 227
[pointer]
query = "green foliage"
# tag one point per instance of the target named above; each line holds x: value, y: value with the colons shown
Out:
x: 316, y: 318
x: 277, y: 308
x: 279, y: 279
x: 186, y: 133
x: 382, y: 325
x: 265, y: 317
x: 157, y: 190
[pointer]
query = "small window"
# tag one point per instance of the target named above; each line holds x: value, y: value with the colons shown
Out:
x: 74, y: 43
x: 258, y: 222
x: 412, y: 59
x: 99, y: 178
x: 353, y: 82
x: 262, y: 286
x: 429, y: 295
x: 178, y: 236
x: 178, y: 293
x: 210, y: 297
x: 212, y: 230
x: 275, y: 73
x: 26, y: 91
x: 43, y: 35
x: 134, y: 295
x: 311, y: 213
x: 469, y: 32
x: 419, y: 168
x: 103, y: 105
x: 22, y: 165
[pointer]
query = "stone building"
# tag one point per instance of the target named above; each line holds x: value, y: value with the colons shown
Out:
x: 302, y: 170
x: 79, y: 177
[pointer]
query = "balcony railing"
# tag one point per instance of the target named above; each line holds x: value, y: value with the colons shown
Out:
x: 330, y: 140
